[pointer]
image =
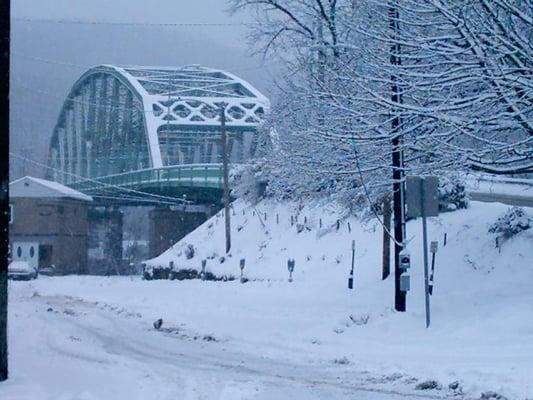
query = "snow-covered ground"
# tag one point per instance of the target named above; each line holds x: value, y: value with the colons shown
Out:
x: 92, y: 337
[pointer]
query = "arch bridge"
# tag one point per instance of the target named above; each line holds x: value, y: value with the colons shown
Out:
x: 127, y: 131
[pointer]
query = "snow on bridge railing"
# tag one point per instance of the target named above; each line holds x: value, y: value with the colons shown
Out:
x: 185, y: 174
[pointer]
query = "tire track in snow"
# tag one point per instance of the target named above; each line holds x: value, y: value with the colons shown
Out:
x: 157, y: 355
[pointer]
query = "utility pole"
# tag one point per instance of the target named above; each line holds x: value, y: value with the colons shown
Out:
x: 4, y: 182
x: 397, y: 161
x: 226, y: 175
x: 168, y: 123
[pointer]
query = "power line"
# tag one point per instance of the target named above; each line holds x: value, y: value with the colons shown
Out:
x: 86, y: 66
x: 123, y: 23
x: 172, y: 200
x: 48, y: 61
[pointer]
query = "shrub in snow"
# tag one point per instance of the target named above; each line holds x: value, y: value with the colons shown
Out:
x: 429, y: 385
x: 248, y: 181
x: 158, y: 323
x: 492, y: 396
x: 341, y: 361
x: 189, y: 251
x: 514, y: 221
x: 452, y: 194
x: 360, y: 320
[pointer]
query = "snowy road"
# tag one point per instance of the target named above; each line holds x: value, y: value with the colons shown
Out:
x: 66, y: 348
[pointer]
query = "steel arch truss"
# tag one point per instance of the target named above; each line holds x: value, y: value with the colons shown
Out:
x: 122, y: 119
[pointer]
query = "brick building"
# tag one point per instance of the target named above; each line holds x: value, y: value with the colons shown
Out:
x: 49, y: 225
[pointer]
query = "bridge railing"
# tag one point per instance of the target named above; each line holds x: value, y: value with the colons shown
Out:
x: 200, y: 175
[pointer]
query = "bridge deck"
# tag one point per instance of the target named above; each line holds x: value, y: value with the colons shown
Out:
x: 203, y: 181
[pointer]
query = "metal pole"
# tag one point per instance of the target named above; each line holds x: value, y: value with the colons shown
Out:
x: 226, y: 176
x: 386, y: 237
x: 432, y: 274
x: 350, y: 279
x: 425, y: 239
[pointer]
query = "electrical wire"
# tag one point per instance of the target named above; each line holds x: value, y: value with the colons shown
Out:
x: 169, y: 199
x: 87, y: 66
x: 367, y: 195
x: 123, y: 23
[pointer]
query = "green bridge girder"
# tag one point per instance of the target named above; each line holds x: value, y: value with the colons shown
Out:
x: 134, y: 134
x: 193, y: 182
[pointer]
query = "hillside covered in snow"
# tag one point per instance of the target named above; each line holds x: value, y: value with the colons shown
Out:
x: 481, y: 333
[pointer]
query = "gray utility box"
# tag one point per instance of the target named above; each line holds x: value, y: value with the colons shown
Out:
x: 405, y: 282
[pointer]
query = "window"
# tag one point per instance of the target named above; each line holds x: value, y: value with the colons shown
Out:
x: 32, y: 252
x: 45, y: 210
x: 19, y: 252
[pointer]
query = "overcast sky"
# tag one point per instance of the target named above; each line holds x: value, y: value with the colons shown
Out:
x: 185, y: 11
x: 141, y: 11
x: 47, y: 58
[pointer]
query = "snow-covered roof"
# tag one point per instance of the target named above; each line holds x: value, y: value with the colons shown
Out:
x: 30, y: 186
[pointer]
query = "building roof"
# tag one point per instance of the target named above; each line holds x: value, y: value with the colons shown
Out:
x: 29, y: 186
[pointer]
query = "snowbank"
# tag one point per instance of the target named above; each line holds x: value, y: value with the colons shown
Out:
x: 482, y: 330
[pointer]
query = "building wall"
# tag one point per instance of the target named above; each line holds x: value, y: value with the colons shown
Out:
x: 60, y: 223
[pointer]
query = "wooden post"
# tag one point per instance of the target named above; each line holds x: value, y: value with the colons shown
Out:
x: 226, y: 176
x: 386, y: 237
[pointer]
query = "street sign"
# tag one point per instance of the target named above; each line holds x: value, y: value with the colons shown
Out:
x: 413, y: 196
x: 422, y: 201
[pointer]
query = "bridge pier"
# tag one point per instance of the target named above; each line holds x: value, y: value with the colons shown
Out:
x: 169, y: 225
x: 105, y: 241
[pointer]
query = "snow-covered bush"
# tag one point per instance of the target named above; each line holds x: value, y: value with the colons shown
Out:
x: 248, y: 181
x: 452, y: 194
x: 189, y: 251
x: 514, y: 221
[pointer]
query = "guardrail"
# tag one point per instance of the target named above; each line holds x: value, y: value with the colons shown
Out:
x: 499, y: 179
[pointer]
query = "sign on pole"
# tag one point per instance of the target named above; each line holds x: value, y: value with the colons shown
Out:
x: 413, y: 196
x: 422, y: 201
